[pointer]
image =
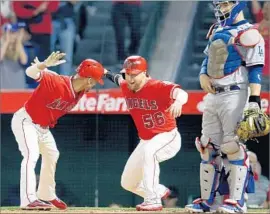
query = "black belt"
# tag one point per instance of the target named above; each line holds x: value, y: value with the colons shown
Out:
x: 227, y: 88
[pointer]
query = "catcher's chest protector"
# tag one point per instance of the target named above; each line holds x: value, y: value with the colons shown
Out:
x: 228, y: 58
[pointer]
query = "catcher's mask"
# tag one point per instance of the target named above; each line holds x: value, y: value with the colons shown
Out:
x: 227, y: 18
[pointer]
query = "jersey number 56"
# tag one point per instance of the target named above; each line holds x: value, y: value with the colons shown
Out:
x: 152, y: 120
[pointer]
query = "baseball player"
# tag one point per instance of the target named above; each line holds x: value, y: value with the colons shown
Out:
x: 233, y: 63
x: 54, y: 97
x: 153, y: 105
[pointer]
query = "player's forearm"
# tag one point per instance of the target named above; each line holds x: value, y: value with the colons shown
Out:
x: 180, y: 96
x: 254, y: 77
x: 115, y: 78
x: 255, y: 89
x: 33, y: 71
x: 203, y: 70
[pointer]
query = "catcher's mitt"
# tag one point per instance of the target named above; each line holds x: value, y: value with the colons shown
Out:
x: 254, y: 124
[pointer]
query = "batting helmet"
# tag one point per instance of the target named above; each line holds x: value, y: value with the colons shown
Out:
x: 90, y: 68
x: 134, y: 65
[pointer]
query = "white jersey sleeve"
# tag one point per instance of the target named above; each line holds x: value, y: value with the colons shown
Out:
x: 255, y: 55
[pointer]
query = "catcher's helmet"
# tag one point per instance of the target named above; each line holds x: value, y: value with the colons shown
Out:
x: 134, y: 65
x: 227, y: 18
x: 90, y: 68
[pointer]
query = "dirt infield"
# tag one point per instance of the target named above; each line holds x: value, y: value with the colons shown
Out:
x: 82, y: 210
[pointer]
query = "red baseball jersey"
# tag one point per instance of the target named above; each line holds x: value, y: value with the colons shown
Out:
x: 52, y: 99
x: 148, y: 107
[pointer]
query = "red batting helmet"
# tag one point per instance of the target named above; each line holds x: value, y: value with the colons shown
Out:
x: 90, y: 68
x: 134, y: 65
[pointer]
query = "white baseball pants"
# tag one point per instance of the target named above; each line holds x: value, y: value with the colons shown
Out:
x: 32, y: 141
x: 141, y: 172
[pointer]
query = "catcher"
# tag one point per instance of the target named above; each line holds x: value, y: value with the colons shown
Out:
x: 233, y: 64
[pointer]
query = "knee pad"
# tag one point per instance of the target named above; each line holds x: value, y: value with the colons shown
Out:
x: 234, y: 150
x: 207, y: 150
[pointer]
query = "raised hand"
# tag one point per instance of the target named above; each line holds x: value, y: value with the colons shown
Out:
x: 56, y: 58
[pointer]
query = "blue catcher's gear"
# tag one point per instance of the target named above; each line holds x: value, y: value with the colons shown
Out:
x: 226, y: 18
x: 234, y: 57
x: 223, y: 58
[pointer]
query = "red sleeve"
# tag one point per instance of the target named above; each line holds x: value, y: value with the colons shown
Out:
x: 46, y: 75
x: 20, y: 11
x: 259, y: 16
x: 52, y: 6
x: 167, y: 89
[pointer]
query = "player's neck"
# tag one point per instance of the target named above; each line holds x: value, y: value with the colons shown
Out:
x: 78, y: 85
x: 144, y: 81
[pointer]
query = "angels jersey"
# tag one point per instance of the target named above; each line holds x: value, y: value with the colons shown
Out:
x: 52, y: 99
x: 148, y: 107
